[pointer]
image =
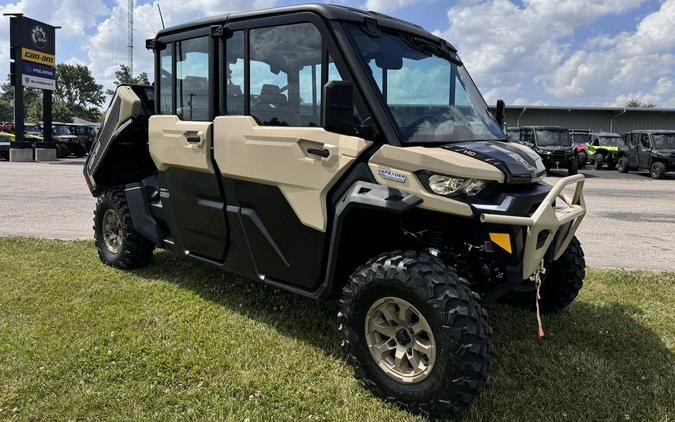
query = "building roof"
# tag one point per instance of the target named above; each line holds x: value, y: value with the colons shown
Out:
x: 589, y: 108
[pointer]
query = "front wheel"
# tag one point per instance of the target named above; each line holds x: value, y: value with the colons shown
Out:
x: 415, y: 334
x: 573, y: 167
x: 560, y: 285
x: 622, y: 165
x: 582, y: 157
x: 599, y: 161
x: 117, y: 241
x: 658, y: 170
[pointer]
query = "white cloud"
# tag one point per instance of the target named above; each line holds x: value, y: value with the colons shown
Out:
x: 389, y: 5
x: 107, y: 48
x: 525, y: 52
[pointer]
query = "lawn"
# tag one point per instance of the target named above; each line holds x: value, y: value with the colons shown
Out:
x: 181, y: 340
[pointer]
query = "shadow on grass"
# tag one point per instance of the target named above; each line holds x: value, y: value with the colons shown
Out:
x: 595, y: 362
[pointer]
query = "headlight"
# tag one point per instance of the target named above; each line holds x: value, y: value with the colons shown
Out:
x: 446, y: 185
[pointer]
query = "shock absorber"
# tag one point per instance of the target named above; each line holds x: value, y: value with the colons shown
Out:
x: 436, y: 237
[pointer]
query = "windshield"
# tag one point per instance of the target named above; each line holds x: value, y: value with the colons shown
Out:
x: 513, y: 135
x: 430, y: 96
x: 664, y: 140
x: 61, y: 130
x: 611, y: 141
x: 33, y: 130
x: 548, y: 137
x: 581, y: 138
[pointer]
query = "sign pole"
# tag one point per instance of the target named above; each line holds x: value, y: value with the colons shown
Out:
x: 19, y: 108
x: 47, y: 116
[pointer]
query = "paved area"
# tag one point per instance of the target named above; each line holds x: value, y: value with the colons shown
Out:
x: 630, y: 221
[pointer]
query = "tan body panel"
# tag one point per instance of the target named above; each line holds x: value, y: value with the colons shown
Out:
x: 408, y: 160
x: 169, y: 146
x: 278, y: 156
x: 130, y: 104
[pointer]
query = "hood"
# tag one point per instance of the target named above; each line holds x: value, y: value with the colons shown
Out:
x: 65, y: 136
x: 555, y: 148
x: 518, y: 163
x: 665, y: 151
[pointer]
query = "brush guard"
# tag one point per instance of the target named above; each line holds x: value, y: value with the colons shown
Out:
x: 555, y: 214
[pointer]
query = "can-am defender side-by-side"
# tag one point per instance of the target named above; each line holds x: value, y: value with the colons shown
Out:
x: 604, y: 149
x: 648, y: 150
x: 341, y: 154
x: 554, y: 146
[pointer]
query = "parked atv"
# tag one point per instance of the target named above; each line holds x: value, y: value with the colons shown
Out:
x: 553, y: 145
x: 648, y: 150
x: 411, y: 207
x: 66, y: 142
x: 580, y: 138
x: 603, y: 149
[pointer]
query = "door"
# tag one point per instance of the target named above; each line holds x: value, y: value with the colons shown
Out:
x: 632, y: 141
x: 181, y: 137
x: 644, y: 151
x: 276, y: 161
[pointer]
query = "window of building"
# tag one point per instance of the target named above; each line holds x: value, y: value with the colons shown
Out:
x: 192, y: 79
x: 165, y: 77
x: 285, y: 73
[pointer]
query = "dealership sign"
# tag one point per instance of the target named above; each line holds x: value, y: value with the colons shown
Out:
x: 34, y: 44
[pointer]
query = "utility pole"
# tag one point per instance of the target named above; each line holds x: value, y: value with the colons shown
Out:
x: 130, y: 37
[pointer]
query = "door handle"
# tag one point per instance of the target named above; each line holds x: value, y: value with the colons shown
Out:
x: 193, y: 139
x: 321, y: 152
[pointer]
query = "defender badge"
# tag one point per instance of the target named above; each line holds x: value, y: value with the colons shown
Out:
x: 390, y: 174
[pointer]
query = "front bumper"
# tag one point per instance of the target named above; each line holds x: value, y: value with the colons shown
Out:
x: 556, y: 218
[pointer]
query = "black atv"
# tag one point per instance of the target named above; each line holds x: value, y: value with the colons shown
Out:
x: 648, y: 150
x: 553, y: 145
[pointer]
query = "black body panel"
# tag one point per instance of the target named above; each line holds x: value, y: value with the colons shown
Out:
x: 195, y: 212
x: 517, y: 165
x: 139, y: 196
x: 280, y: 245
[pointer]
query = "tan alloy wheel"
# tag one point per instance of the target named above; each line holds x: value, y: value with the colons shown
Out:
x: 112, y: 231
x: 400, y: 340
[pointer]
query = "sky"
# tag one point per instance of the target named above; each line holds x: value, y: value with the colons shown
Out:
x: 536, y: 52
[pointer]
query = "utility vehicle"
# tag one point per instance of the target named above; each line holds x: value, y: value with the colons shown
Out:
x: 648, y: 150
x: 603, y: 148
x: 5, y: 144
x: 554, y: 146
x: 335, y: 153
x: 85, y: 134
x: 66, y: 142
x: 580, y: 138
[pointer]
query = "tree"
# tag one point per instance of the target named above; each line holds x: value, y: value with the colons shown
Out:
x: 77, y: 89
x: 635, y: 103
x: 123, y: 76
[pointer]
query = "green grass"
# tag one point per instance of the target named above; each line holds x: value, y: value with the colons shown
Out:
x: 181, y: 340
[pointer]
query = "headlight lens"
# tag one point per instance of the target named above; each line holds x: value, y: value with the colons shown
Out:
x: 446, y: 185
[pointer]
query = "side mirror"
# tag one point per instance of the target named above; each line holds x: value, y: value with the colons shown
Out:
x: 500, y: 113
x: 338, y: 107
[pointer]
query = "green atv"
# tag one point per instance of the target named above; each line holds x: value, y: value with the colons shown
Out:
x: 604, y: 149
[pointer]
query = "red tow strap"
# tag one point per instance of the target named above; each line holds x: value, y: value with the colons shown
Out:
x: 540, y: 326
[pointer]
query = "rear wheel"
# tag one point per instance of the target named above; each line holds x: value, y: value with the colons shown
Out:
x: 599, y: 161
x: 658, y: 170
x: 560, y: 284
x: 581, y: 159
x: 117, y: 241
x: 622, y: 165
x: 62, y: 151
x: 415, y: 334
x: 573, y: 167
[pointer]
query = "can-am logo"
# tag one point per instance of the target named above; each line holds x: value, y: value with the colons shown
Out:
x: 38, y: 36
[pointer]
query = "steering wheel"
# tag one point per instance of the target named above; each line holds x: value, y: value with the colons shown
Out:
x: 426, y: 118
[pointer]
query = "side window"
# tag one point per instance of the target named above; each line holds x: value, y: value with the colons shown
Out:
x: 165, y: 57
x: 644, y: 141
x: 192, y: 79
x: 285, y: 69
x: 235, y: 74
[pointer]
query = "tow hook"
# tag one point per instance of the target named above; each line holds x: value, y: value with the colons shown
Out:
x: 536, y: 277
